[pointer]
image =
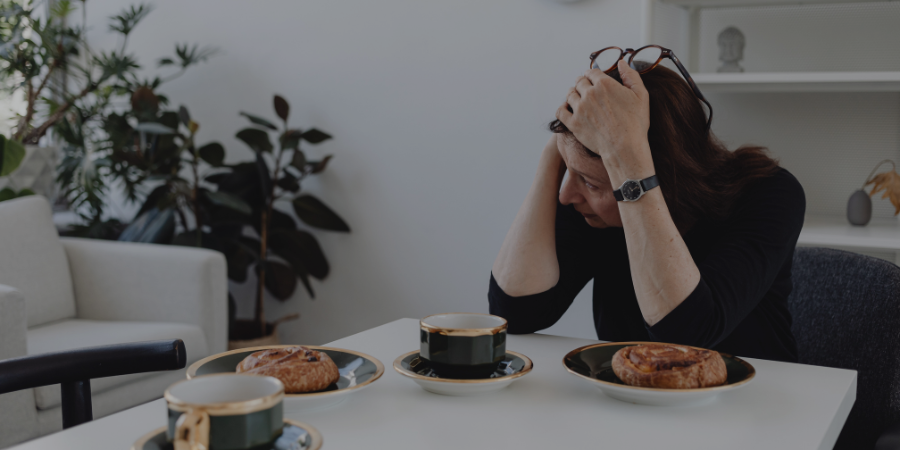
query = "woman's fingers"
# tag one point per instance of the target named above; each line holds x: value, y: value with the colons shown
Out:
x: 564, y: 114
x: 632, y: 80
x: 573, y: 98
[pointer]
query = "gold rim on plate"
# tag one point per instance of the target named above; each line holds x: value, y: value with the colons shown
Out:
x: 315, y: 437
x: 379, y: 368
x: 407, y: 373
x: 751, y: 371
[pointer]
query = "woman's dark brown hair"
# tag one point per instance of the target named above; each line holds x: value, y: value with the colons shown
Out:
x: 699, y: 176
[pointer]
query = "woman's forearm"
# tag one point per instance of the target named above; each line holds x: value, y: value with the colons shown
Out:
x: 662, y: 269
x: 527, y: 263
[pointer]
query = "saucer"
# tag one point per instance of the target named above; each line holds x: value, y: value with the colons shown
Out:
x: 593, y: 363
x: 357, y: 371
x: 513, y: 366
x: 296, y: 436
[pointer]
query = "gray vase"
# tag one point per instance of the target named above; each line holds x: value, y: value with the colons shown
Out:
x: 859, y: 208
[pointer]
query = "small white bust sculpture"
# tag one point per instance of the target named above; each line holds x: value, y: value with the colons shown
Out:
x: 731, y: 50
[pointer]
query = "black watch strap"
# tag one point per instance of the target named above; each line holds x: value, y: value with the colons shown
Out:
x: 649, y: 183
x: 646, y: 184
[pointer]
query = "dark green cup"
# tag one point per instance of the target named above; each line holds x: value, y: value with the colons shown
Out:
x: 225, y: 412
x: 463, y: 345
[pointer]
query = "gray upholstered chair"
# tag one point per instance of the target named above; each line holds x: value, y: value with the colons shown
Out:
x: 846, y: 311
x: 63, y: 294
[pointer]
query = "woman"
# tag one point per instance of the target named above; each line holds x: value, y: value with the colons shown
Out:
x: 704, y: 259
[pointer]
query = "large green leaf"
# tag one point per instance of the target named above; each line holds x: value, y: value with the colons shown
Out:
x: 7, y: 194
x: 213, y: 153
x: 288, y: 182
x: 238, y: 258
x: 257, y: 139
x: 301, y: 250
x: 321, y: 165
x: 184, y: 116
x: 281, y: 281
x: 312, y: 211
x: 298, y: 160
x: 291, y: 139
x: 281, y: 107
x: 13, y: 152
x: 229, y: 201
x: 259, y: 121
x: 314, y: 136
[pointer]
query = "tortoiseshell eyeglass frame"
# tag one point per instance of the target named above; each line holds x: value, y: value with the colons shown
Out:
x: 664, y: 53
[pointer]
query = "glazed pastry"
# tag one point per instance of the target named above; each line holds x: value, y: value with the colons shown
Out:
x: 669, y: 366
x: 299, y: 368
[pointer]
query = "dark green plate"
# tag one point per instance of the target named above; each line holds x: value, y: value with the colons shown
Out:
x: 594, y: 364
x: 296, y: 436
x: 357, y: 370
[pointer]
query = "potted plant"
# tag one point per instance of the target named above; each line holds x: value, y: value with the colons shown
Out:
x: 237, y: 209
x: 103, y: 116
x: 11, y: 155
x: 281, y: 253
x: 49, y: 61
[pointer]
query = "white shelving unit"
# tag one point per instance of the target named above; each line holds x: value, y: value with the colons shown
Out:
x: 799, y: 82
x: 735, y: 3
x: 681, y: 23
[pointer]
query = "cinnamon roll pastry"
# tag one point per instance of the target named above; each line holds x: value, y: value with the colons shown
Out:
x: 669, y: 366
x: 299, y: 368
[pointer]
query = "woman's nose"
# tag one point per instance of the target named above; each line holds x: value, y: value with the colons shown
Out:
x: 569, y: 193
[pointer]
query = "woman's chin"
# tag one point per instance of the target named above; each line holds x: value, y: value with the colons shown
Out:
x: 595, y: 221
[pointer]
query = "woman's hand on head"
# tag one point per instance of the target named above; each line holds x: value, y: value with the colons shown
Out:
x: 609, y: 118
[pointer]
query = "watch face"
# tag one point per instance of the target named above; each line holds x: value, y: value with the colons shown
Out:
x: 631, y: 190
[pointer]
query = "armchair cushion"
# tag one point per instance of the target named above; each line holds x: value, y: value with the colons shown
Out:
x: 32, y: 260
x: 149, y: 282
x: 77, y: 333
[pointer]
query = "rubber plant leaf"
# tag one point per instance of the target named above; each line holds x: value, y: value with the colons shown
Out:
x: 281, y: 107
x: 256, y: 139
x: 259, y: 121
x: 213, y: 153
x: 314, y: 213
x: 13, y: 152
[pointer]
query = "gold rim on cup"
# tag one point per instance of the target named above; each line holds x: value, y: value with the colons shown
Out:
x: 463, y: 331
x: 224, y: 408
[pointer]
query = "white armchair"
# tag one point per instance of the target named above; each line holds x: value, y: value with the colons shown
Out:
x: 60, y: 294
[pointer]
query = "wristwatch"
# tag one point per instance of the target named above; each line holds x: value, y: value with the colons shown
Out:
x: 632, y: 190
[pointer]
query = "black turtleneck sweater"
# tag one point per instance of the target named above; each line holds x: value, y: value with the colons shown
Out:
x: 739, y: 307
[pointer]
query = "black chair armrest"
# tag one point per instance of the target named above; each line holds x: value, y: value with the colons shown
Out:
x: 890, y: 439
x: 89, y: 363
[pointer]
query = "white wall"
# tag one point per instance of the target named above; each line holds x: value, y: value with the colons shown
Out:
x: 439, y: 112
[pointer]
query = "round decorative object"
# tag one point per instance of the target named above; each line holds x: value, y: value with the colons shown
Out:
x: 859, y: 208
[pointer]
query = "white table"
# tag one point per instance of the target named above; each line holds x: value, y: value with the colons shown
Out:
x: 786, y: 406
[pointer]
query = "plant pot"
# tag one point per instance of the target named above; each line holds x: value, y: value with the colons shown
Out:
x: 271, y: 339
x: 245, y: 333
x: 36, y: 172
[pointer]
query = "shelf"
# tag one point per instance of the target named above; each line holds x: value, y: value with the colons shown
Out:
x: 739, y: 3
x: 799, y: 82
x: 879, y: 234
